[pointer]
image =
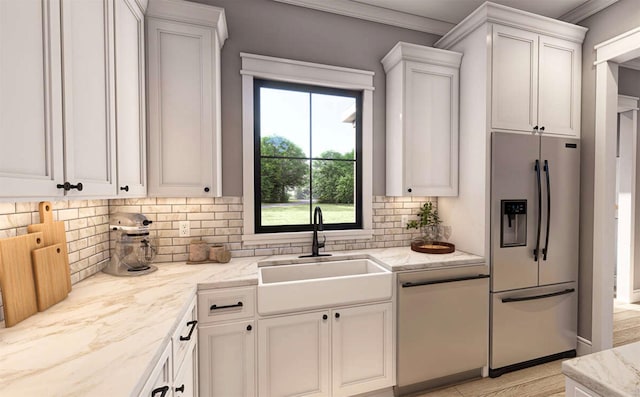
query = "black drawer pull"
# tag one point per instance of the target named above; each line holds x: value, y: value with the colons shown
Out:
x: 180, y: 389
x: 448, y: 280
x: 249, y: 327
x: 531, y: 298
x: 216, y: 307
x: 161, y: 391
x: 125, y: 188
x: 191, y: 324
x: 67, y: 186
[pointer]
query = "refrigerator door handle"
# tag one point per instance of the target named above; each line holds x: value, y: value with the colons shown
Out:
x: 531, y: 298
x: 545, y: 250
x: 537, y: 249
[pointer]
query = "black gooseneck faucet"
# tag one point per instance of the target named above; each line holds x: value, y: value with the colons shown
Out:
x: 317, y: 226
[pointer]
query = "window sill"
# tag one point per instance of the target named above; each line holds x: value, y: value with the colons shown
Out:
x: 305, y: 237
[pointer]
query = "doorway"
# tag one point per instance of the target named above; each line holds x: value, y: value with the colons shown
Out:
x: 609, y: 55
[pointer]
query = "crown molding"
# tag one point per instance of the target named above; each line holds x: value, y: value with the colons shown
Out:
x: 189, y: 12
x: 419, y: 53
x: 585, y: 10
x: 507, y: 16
x: 375, y: 14
x: 632, y: 64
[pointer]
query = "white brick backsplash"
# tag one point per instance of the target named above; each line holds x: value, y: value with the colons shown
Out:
x: 214, y: 220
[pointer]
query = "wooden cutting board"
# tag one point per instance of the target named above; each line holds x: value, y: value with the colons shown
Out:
x: 52, y: 233
x: 16, y: 277
x: 49, y: 275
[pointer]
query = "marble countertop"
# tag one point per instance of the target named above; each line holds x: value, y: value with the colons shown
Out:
x: 105, y: 337
x: 611, y: 373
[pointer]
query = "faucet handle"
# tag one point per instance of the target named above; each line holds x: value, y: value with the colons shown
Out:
x: 324, y: 240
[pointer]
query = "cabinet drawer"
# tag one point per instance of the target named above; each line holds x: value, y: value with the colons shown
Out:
x: 226, y: 304
x: 185, y: 335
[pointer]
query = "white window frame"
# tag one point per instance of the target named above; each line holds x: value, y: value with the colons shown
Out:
x: 280, y: 69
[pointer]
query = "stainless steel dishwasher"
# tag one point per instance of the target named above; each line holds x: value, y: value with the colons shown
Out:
x: 443, y: 326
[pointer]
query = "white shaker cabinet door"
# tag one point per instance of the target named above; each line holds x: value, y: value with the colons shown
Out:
x: 130, y: 99
x: 89, y: 117
x: 559, y: 87
x: 293, y: 355
x: 185, y: 383
x: 362, y: 349
x: 227, y: 360
x: 181, y: 84
x: 431, y: 130
x: 160, y: 381
x: 514, y: 94
x: 31, y: 163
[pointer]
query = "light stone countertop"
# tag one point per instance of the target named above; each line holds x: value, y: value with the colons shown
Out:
x: 106, y: 336
x: 610, y: 373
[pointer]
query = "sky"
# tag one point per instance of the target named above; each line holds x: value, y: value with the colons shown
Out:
x: 286, y: 113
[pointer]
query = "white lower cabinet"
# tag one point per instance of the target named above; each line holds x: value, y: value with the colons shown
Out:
x: 176, y: 372
x: 185, y: 383
x: 159, y: 382
x: 227, y: 339
x: 338, y: 352
x: 293, y: 355
x: 227, y: 360
x: 575, y: 389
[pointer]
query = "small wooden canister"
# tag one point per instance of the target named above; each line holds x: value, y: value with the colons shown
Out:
x: 198, y: 251
x: 219, y: 253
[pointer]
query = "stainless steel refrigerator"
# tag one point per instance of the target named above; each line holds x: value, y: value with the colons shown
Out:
x: 535, y: 187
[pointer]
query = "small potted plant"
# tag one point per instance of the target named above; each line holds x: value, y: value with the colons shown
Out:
x: 432, y: 231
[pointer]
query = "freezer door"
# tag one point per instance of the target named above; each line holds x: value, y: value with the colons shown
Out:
x: 560, y: 159
x: 513, y: 177
x: 533, y: 323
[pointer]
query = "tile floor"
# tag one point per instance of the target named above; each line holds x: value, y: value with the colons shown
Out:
x: 544, y: 380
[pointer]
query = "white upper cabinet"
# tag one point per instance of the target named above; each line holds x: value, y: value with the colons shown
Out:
x: 515, y: 79
x: 89, y: 101
x: 31, y: 163
x: 130, y: 99
x: 535, y: 83
x: 559, y: 82
x: 62, y: 62
x: 422, y: 121
x: 184, y: 41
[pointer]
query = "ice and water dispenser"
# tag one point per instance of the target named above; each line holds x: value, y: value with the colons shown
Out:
x: 513, y: 228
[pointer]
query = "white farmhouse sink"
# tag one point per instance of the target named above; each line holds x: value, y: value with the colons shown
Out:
x: 287, y: 288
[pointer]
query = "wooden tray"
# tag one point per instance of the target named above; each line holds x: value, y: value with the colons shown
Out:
x: 437, y: 247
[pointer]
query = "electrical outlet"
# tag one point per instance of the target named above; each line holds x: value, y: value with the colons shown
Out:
x: 405, y: 220
x: 185, y: 229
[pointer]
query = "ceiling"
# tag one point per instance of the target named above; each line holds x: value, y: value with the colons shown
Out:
x: 440, y: 16
x: 454, y: 11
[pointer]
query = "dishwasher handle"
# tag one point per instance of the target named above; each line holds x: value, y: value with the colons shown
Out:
x: 531, y: 298
x: 448, y: 280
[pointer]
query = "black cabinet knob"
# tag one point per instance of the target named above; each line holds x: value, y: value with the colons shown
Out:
x: 206, y: 189
x: 535, y: 128
x: 249, y: 327
x: 324, y: 317
x: 125, y: 188
x: 542, y: 128
x: 180, y: 389
x: 409, y: 190
x: 337, y: 315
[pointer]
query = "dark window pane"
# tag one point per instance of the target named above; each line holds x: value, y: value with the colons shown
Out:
x: 333, y: 133
x: 285, y: 114
x: 334, y: 190
x: 285, y: 192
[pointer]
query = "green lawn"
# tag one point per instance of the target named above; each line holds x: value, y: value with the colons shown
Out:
x: 294, y: 214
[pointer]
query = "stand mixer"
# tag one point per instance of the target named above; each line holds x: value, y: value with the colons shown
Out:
x: 134, y: 248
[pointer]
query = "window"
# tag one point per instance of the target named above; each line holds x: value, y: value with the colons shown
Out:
x: 313, y: 124
x: 308, y: 145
